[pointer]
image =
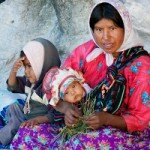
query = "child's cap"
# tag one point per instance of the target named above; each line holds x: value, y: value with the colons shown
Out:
x: 56, y: 82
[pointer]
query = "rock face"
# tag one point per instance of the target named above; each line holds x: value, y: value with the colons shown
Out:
x: 64, y: 22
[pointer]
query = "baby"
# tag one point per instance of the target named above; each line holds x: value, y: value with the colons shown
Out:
x: 65, y: 84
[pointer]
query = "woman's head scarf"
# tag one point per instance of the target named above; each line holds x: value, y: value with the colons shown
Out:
x: 131, y: 38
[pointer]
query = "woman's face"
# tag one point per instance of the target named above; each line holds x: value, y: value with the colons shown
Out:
x: 108, y: 35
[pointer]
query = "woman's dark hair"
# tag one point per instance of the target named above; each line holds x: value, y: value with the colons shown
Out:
x: 22, y: 54
x: 107, y: 11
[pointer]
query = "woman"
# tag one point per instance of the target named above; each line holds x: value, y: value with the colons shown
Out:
x: 116, y: 47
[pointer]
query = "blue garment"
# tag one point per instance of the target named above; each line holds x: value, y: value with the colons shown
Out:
x: 14, y: 115
x: 3, y: 120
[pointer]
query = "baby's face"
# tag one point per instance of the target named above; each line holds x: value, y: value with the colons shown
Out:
x: 74, y: 93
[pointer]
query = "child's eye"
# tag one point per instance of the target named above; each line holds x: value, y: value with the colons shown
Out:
x: 27, y: 65
x: 73, y: 86
x: 66, y: 93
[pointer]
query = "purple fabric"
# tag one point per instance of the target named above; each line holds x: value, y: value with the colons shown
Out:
x: 46, y: 137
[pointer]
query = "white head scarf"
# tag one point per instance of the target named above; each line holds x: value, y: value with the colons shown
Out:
x: 32, y: 50
x: 131, y: 38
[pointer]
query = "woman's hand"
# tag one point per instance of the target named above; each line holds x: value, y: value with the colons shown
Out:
x: 96, y: 120
x: 72, y: 115
x: 70, y: 111
x: 99, y: 119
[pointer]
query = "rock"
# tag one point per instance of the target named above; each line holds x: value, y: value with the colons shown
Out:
x: 64, y: 22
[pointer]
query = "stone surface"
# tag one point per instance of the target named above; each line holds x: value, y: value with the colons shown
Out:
x: 64, y: 22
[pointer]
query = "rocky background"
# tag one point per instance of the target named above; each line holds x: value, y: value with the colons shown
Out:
x: 64, y: 22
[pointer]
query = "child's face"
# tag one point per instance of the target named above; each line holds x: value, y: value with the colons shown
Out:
x: 29, y: 73
x: 74, y: 93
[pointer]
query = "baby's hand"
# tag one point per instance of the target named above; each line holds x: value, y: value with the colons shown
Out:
x: 18, y: 63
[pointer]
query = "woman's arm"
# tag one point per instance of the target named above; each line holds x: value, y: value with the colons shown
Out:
x: 137, y: 114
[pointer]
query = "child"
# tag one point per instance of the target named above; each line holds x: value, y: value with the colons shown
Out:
x: 37, y: 57
x: 65, y: 84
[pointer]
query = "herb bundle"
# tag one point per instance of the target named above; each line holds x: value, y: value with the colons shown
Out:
x: 87, y: 108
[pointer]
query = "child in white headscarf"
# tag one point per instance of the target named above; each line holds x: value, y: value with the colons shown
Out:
x: 37, y: 57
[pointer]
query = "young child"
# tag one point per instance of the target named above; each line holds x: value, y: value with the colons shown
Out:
x: 64, y: 84
x: 37, y: 57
